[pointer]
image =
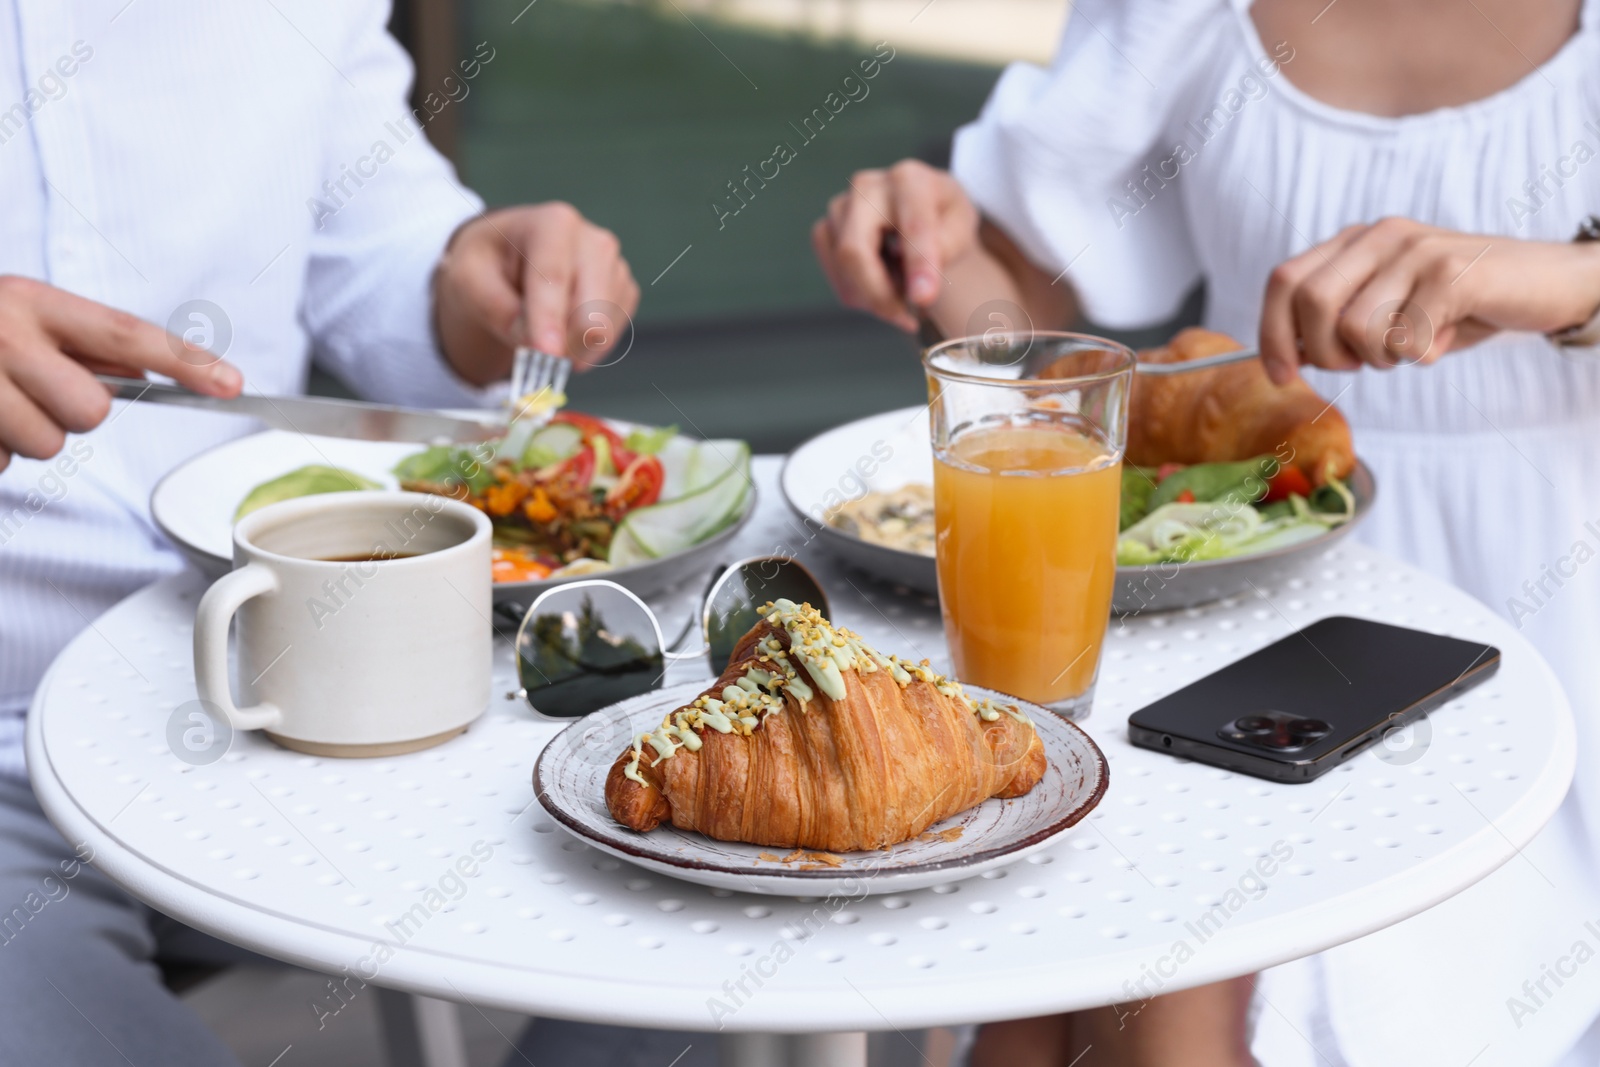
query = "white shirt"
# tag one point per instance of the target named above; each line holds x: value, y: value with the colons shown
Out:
x: 155, y: 153
x: 1167, y: 144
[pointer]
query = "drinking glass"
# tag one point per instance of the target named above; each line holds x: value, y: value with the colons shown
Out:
x: 1028, y: 433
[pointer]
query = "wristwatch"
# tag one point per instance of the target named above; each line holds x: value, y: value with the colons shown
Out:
x: 1586, y: 334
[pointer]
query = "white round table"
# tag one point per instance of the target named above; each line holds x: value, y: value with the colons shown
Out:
x: 337, y: 864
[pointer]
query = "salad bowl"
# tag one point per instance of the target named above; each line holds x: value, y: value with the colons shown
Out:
x: 194, y: 504
x: 888, y: 452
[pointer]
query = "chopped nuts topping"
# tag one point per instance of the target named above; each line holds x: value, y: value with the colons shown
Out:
x: 825, y: 652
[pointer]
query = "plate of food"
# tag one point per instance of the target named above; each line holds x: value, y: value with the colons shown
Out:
x: 816, y: 765
x: 1227, y: 481
x: 575, y: 497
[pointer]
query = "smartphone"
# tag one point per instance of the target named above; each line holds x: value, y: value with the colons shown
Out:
x: 1299, y: 707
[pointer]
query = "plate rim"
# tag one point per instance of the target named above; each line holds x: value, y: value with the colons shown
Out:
x: 752, y: 499
x: 802, y: 514
x: 1071, y: 818
x: 1325, y: 539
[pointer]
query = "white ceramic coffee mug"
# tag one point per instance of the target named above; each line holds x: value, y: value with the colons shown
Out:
x: 363, y: 623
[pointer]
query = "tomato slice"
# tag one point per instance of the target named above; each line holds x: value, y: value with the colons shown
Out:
x: 639, y: 486
x: 577, y: 469
x: 1288, y: 480
x: 1166, y: 470
x: 587, y: 423
x: 1186, y: 497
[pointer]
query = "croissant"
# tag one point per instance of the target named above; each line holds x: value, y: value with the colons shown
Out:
x: 1233, y: 412
x: 810, y: 739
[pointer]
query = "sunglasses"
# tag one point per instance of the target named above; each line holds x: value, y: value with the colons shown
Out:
x: 588, y: 644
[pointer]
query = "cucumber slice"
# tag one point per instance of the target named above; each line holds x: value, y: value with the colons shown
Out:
x: 675, y: 456
x: 551, y: 443
x: 686, y: 520
x: 516, y: 438
x: 713, y: 459
x: 626, y: 549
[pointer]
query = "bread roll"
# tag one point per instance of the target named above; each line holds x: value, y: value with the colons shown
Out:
x: 1231, y: 413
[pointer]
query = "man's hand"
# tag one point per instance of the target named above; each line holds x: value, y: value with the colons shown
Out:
x: 51, y: 345
x: 540, y: 275
x: 1398, y: 292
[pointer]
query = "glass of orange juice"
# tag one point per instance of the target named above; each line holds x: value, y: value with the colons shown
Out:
x: 1028, y: 434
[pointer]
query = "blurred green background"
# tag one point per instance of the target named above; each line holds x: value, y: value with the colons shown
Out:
x: 634, y: 116
x: 637, y: 118
x: 640, y: 112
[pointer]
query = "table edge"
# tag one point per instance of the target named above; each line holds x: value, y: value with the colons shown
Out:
x: 1047, y: 989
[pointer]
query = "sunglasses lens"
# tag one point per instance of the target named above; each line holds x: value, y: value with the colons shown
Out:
x: 587, y: 645
x: 739, y: 591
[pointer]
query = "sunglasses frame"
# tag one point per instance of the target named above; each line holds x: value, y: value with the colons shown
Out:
x: 720, y: 576
x: 669, y: 654
x: 567, y: 587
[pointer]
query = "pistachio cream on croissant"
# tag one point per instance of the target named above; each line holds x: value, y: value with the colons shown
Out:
x: 813, y: 739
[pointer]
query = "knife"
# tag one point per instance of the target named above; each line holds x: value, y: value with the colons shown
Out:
x: 323, y: 416
x: 1185, y: 366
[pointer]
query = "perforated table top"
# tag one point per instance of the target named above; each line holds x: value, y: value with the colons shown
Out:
x: 437, y: 873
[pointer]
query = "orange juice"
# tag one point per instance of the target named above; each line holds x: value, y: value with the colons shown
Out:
x: 1026, y: 516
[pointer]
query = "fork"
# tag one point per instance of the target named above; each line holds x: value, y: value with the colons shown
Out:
x: 533, y: 372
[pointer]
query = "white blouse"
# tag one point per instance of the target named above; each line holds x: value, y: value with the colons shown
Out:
x: 1166, y: 145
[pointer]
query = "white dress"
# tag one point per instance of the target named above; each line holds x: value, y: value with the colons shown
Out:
x: 1166, y: 145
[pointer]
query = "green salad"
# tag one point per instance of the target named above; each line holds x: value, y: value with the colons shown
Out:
x: 1176, y: 514
x: 573, y: 494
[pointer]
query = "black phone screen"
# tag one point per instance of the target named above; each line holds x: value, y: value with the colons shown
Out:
x: 1304, y: 704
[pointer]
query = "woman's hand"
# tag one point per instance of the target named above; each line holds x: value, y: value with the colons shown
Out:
x: 1397, y: 292
x: 937, y: 224
x: 539, y: 275
x: 51, y: 345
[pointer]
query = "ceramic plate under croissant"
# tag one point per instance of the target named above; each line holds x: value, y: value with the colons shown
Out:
x: 570, y: 776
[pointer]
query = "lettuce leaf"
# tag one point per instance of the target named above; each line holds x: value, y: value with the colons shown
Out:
x: 448, y: 464
x: 648, y: 441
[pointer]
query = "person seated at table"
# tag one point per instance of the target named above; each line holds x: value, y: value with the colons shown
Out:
x: 1352, y: 182
x: 252, y: 179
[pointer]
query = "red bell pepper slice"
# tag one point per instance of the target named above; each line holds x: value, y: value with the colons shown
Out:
x: 1288, y: 480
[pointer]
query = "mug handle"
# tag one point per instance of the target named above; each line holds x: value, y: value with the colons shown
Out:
x: 217, y: 608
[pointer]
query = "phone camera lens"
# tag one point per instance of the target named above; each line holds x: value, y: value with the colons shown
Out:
x: 1278, y: 731
x: 1307, y: 730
